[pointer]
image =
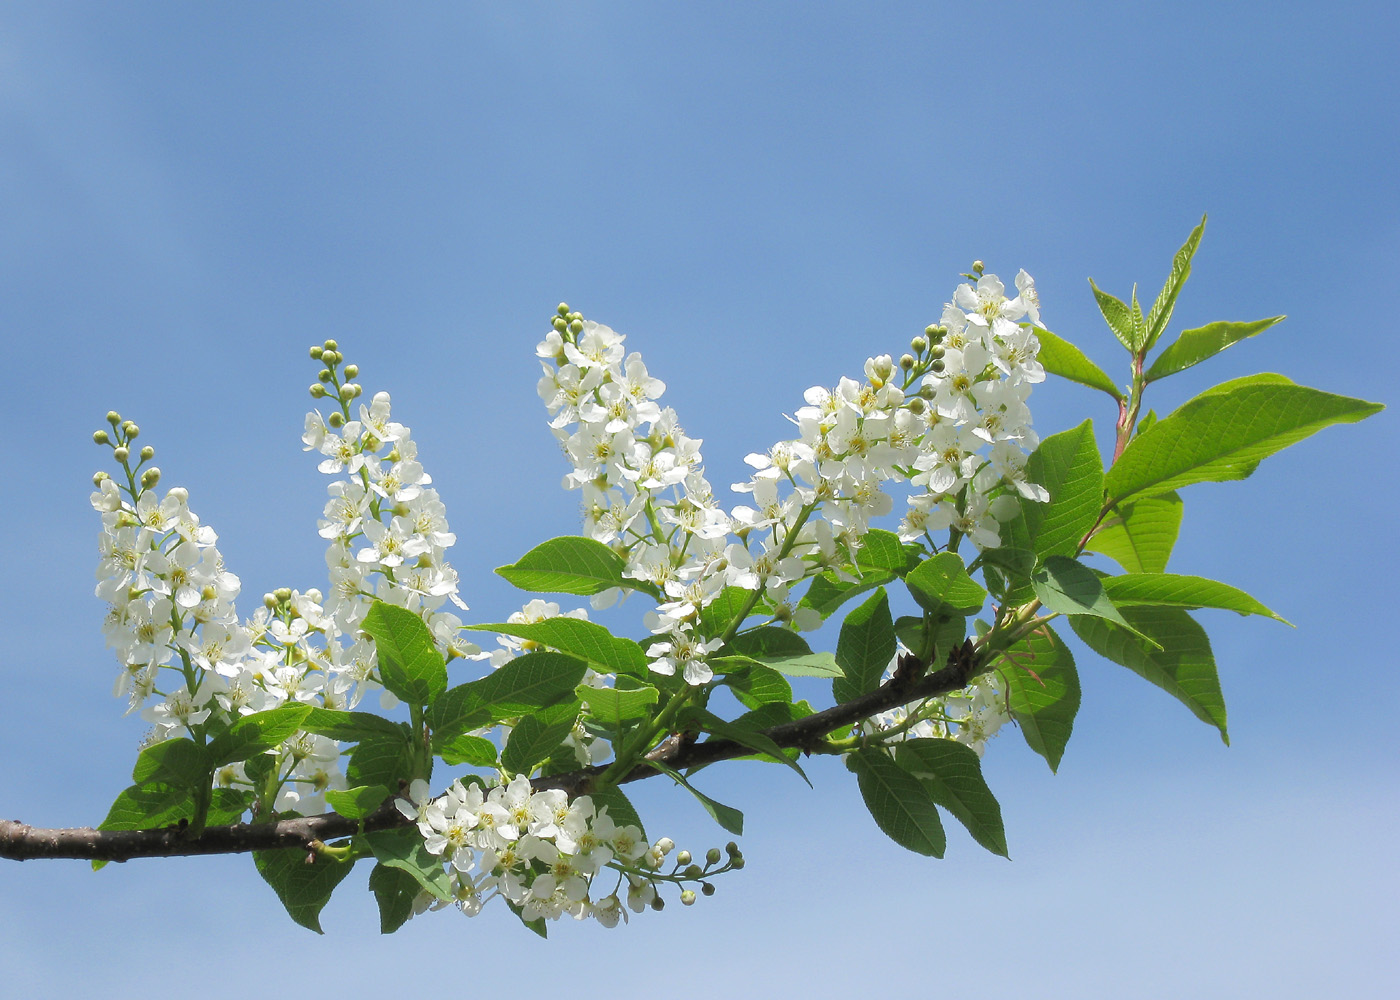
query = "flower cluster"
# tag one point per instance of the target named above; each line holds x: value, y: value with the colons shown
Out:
x: 971, y: 716
x: 543, y: 854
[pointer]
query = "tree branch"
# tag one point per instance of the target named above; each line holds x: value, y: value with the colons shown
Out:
x: 20, y: 842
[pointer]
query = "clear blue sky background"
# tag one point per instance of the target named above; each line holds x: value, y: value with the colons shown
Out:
x: 759, y: 196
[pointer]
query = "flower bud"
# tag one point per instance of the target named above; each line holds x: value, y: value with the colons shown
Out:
x: 330, y: 345
x: 269, y: 601
x: 314, y: 596
x: 316, y: 352
x: 283, y: 594
x: 121, y: 454
x: 707, y: 888
x: 937, y: 352
x: 336, y: 420
x: 737, y: 862
x: 113, y: 417
x: 347, y: 392
x: 98, y: 478
x: 915, y: 405
x: 150, y: 477
x: 351, y: 371
x: 147, y: 453
x: 978, y: 266
x: 324, y: 375
x: 712, y: 856
x: 658, y: 904
x: 688, y: 897
x: 563, y: 309
x: 683, y: 859
x: 576, y: 326
x: 317, y: 390
x: 926, y: 392
x: 130, y: 429
x: 732, y: 849
x: 665, y: 845
x: 906, y: 362
x: 559, y: 324
x: 100, y: 437
x: 918, y: 345
x: 693, y: 872
x: 331, y: 358
x: 937, y: 365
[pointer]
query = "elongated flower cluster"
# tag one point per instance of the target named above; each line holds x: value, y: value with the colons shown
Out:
x: 544, y: 854
x: 173, y: 621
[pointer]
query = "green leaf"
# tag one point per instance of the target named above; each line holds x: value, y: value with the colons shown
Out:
x: 149, y: 807
x: 612, y: 707
x: 1042, y: 690
x: 410, y: 664
x: 474, y: 750
x: 952, y: 773
x: 900, y: 803
x: 404, y: 850
x: 570, y: 565
x: 1225, y: 433
x: 253, y: 734
x: 380, y: 761
x: 1069, y: 467
x: 805, y: 665
x: 348, y: 727
x: 728, y: 817
x: 768, y: 641
x: 1071, y: 588
x: 587, y: 640
x: 941, y: 583
x: 1183, y: 666
x: 537, y: 925
x: 753, y: 739
x: 1115, y: 314
x: 1189, y: 592
x: 619, y: 808
x: 882, y: 552
x: 1141, y: 536
x: 1161, y: 312
x: 1139, y: 323
x: 537, y: 735
x: 180, y: 762
x: 775, y: 713
x: 826, y: 593
x: 759, y: 685
x: 1194, y: 346
x: 1059, y: 357
x: 522, y: 685
x: 395, y: 891
x: 304, y: 889
x: 865, y: 648
x: 357, y: 802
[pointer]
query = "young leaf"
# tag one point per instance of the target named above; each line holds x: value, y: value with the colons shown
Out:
x: 1225, y: 433
x: 382, y: 760
x: 952, y: 773
x: 179, y: 761
x: 587, y: 640
x: 1068, y: 465
x: 1141, y: 536
x: 358, y: 802
x: 146, y: 807
x: 1071, y: 588
x: 522, y: 685
x: 865, y: 648
x: 304, y: 889
x: 1189, y: 592
x: 759, y: 685
x: 410, y: 664
x: 1194, y: 346
x: 1059, y: 357
x: 826, y: 593
x: 395, y: 891
x: 252, y: 734
x: 941, y: 583
x: 1161, y: 312
x: 1115, y: 314
x: 751, y: 738
x: 537, y: 735
x: 1182, y: 664
x: 768, y: 642
x: 612, y: 707
x: 404, y: 850
x: 728, y: 817
x: 570, y: 565
x: 474, y: 750
x: 899, y: 803
x: 804, y: 665
x: 1042, y: 690
x: 882, y: 552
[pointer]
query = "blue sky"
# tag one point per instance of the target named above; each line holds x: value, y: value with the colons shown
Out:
x: 759, y: 198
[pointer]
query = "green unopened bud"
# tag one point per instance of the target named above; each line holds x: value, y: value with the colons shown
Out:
x: 906, y: 362
x: 317, y: 390
x: 98, y: 478
x: 688, y: 897
x: 732, y: 849
x: 926, y: 392
x: 918, y: 345
x: 937, y: 365
x: 100, y: 437
x: 324, y: 375
x: 658, y: 904
x: 269, y: 601
x: 283, y: 594
x: 315, y: 596
x: 121, y: 454
x: 559, y: 324
x: 357, y: 389
x: 737, y: 862
x: 712, y: 856
x: 336, y: 420
x: 351, y: 371
x: 707, y: 889
x: 931, y: 330
x: 978, y: 267
x: 316, y: 352
x: 347, y: 391
x: 937, y: 352
x: 147, y: 453
x: 563, y: 309
x: 332, y: 358
x: 113, y: 417
x: 576, y: 326
x: 330, y: 345
x: 915, y: 406
x: 683, y: 858
x: 150, y: 477
x: 130, y: 429
x: 693, y: 872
